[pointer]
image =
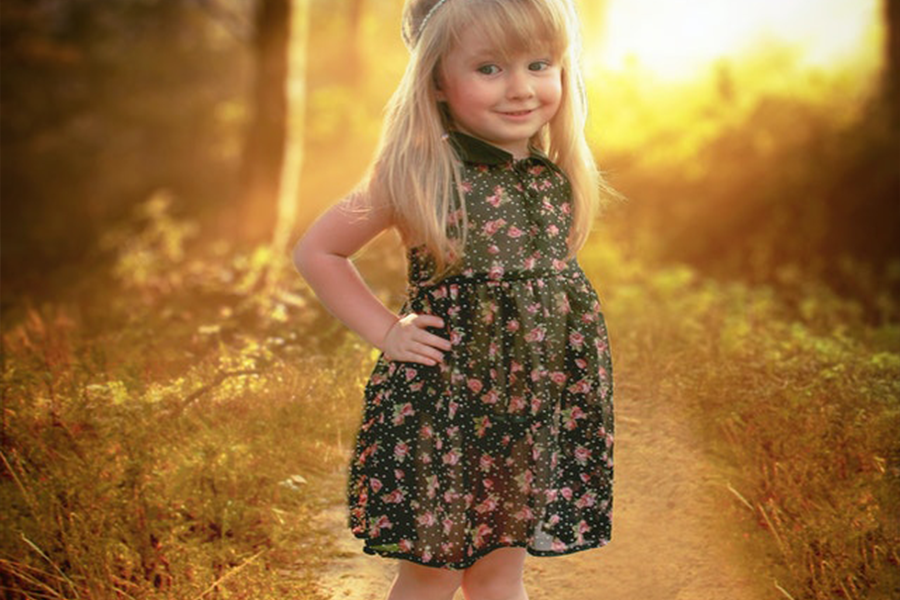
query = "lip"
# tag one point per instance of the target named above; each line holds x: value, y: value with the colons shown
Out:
x: 516, y: 114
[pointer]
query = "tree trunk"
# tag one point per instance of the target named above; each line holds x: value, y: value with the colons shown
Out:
x: 264, y: 146
x: 288, y: 197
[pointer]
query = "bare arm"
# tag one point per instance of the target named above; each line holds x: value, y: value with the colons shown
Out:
x: 322, y: 257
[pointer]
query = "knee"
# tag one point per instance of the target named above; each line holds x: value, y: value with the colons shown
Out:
x: 417, y: 581
x: 492, y: 586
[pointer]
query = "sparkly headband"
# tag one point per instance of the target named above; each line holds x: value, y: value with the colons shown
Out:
x: 433, y: 10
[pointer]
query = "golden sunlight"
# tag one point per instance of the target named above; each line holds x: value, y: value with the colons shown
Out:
x: 674, y: 40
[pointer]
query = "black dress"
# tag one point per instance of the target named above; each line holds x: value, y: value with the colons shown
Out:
x: 509, y: 440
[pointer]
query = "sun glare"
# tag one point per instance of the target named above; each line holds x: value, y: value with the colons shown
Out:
x: 674, y: 40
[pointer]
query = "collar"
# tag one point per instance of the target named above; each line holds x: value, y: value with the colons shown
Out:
x: 474, y: 150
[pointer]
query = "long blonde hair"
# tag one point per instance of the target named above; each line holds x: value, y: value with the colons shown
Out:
x: 415, y: 171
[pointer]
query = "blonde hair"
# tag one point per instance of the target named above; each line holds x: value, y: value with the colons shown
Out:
x: 415, y: 171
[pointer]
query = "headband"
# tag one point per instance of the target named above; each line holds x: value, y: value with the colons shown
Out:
x: 431, y: 11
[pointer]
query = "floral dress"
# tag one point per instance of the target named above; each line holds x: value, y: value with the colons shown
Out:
x: 509, y: 440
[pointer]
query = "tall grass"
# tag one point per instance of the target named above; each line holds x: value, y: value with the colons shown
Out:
x: 169, y: 436
x: 800, y: 401
x: 170, y: 432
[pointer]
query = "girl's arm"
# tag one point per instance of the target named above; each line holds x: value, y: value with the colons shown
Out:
x: 322, y: 257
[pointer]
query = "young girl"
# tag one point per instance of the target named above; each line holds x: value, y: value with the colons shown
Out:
x: 488, y: 422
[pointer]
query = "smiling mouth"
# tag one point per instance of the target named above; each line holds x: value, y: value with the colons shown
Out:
x: 517, y: 113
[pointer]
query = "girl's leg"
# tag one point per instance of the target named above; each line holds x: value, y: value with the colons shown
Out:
x: 418, y: 582
x: 496, y: 576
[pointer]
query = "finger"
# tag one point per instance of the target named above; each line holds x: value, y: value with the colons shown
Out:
x: 429, y: 321
x: 430, y: 352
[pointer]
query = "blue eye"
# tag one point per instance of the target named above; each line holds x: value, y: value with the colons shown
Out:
x: 489, y: 69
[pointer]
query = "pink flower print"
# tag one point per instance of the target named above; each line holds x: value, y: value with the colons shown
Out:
x: 576, y: 338
x: 587, y: 500
x: 451, y: 496
x: 566, y: 493
x: 496, y: 271
x: 415, y: 387
x: 600, y: 343
x: 465, y: 186
x: 401, y: 451
x: 426, y: 431
x: 558, y: 377
x: 514, y: 232
x: 479, y: 533
x: 601, y: 373
x: 572, y: 419
x: 452, y: 457
x: 582, y: 386
x: 493, y: 249
x: 426, y: 519
x: 535, y: 405
x: 553, y: 521
x: 395, y: 497
x: 405, y: 545
x: 474, y: 384
x: 491, y: 397
x: 410, y: 373
x: 492, y: 227
x: 524, y: 514
x: 399, y: 474
x: 529, y: 262
x: 432, y: 486
x: 493, y: 349
x: 454, y: 310
x: 452, y: 431
x: 375, y: 484
x: 585, y: 477
x: 400, y: 414
x: 426, y: 555
x: 488, y: 484
x: 489, y: 504
x: 533, y: 308
x: 588, y: 317
x: 581, y: 363
x: 506, y: 539
x: 547, y: 205
x: 516, y: 404
x: 439, y: 292
x: 497, y: 199
x: 486, y: 462
x: 481, y: 425
x: 505, y: 440
x: 448, y: 525
x: 455, y: 337
x: 512, y: 326
x: 515, y: 366
x: 452, y: 407
x: 536, y: 169
x: 582, y: 455
x: 535, y: 335
x: 559, y: 265
x: 552, y: 231
x: 558, y: 545
x: 381, y: 523
x: 566, y: 207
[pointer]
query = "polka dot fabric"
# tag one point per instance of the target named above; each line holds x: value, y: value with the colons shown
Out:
x: 508, y: 441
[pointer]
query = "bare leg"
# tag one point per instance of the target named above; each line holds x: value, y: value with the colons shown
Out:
x: 496, y: 576
x: 418, y: 582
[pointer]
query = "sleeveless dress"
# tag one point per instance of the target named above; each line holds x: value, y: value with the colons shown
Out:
x: 509, y: 440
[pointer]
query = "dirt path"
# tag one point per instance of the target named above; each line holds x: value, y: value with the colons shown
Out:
x: 672, y: 537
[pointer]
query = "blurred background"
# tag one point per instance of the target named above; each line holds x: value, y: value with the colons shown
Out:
x: 751, y: 142
x: 176, y: 402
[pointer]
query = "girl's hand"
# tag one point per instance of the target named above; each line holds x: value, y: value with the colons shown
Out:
x: 408, y: 341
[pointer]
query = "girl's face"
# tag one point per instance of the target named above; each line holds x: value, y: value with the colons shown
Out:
x: 503, y: 101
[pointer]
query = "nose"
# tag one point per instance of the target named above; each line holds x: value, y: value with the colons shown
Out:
x: 519, y: 84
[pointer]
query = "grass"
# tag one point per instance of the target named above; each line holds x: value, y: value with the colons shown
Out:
x: 173, y: 429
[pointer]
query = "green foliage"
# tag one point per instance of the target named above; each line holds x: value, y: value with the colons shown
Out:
x: 800, y: 401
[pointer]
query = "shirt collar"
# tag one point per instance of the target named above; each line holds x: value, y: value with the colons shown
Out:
x: 473, y: 150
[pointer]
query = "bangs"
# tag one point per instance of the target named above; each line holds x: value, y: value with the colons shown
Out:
x: 512, y: 26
